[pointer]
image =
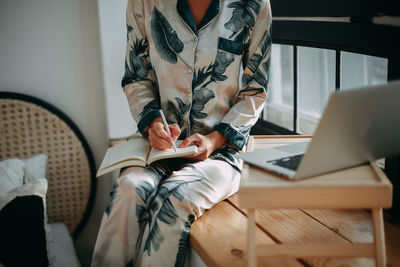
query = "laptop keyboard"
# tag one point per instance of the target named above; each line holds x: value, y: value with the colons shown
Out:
x: 291, y: 162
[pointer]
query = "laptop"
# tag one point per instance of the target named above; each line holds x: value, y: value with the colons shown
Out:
x: 357, y: 126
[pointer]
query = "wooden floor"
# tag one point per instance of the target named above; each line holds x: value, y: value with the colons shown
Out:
x: 219, y: 236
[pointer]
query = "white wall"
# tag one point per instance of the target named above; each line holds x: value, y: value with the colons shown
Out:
x: 51, y: 49
x: 113, y: 42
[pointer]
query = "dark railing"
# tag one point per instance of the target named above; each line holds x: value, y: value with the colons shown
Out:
x: 313, y: 23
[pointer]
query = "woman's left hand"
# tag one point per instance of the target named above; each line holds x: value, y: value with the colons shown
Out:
x: 207, y: 144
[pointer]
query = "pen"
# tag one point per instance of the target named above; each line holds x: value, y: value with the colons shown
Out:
x: 166, y: 126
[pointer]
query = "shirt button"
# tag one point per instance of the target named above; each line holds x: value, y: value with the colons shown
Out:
x: 190, y: 70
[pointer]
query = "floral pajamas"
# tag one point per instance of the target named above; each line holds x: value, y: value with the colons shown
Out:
x: 148, y: 221
x: 210, y: 77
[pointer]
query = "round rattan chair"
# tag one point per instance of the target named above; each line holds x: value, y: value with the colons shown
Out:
x: 29, y: 126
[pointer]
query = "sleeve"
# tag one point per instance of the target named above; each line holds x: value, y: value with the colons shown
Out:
x: 139, y: 81
x: 236, y: 124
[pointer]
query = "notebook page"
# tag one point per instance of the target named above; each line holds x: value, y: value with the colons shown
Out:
x: 110, y: 168
x: 155, y: 154
x: 133, y: 149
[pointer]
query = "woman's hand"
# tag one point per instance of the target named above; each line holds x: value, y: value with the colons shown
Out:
x: 158, y: 136
x: 207, y: 144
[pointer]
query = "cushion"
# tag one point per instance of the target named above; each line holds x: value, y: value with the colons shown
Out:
x: 61, y: 247
x: 38, y: 188
x: 11, y: 174
x: 35, y: 167
x: 22, y: 225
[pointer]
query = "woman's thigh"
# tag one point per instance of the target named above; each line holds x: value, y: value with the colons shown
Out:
x: 128, y: 192
x: 120, y: 232
x: 201, y: 185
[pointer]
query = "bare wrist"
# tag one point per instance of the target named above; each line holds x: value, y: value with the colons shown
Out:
x: 218, y: 138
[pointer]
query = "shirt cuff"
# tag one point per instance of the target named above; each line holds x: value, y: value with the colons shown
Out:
x: 145, y: 121
x: 233, y: 136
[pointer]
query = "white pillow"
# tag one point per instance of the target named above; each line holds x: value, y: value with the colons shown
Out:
x: 35, y: 168
x: 61, y: 247
x: 11, y: 174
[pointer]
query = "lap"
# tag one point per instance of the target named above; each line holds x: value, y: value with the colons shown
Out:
x: 201, y: 184
x: 218, y: 170
x: 210, y: 172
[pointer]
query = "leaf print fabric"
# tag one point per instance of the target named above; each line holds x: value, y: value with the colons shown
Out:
x: 200, y: 98
x: 201, y: 75
x: 167, y: 213
x: 258, y: 66
x: 152, y: 106
x: 256, y: 58
x: 165, y: 37
x: 243, y: 18
x: 261, y: 75
x: 183, y: 242
x: 156, y: 206
x: 139, y: 77
x: 222, y: 61
x: 113, y: 195
x: 202, y: 95
x: 251, y: 99
x: 179, y: 111
x: 136, y: 65
x: 228, y: 155
x: 144, y: 190
x: 128, y: 30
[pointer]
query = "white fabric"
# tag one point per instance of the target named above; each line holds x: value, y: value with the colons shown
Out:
x: 38, y: 188
x: 61, y: 247
x: 11, y: 174
x: 35, y: 167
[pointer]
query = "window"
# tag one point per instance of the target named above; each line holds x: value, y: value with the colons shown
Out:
x: 279, y: 107
x: 298, y: 94
x: 361, y: 70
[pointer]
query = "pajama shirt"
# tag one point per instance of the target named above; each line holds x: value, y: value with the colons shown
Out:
x: 210, y: 77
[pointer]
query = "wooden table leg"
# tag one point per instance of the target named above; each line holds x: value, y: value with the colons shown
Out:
x: 251, y: 241
x: 379, y: 237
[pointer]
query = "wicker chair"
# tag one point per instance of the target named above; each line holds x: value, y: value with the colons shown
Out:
x: 29, y: 126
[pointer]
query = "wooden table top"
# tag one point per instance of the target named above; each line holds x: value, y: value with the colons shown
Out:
x: 363, y: 186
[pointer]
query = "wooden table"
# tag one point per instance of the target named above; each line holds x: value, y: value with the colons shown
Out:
x: 362, y: 187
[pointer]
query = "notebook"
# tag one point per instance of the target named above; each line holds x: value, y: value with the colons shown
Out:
x: 138, y: 152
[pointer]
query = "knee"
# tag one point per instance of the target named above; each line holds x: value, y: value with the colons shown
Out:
x: 134, y: 178
x: 133, y: 185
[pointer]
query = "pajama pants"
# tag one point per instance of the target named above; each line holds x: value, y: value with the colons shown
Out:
x: 148, y: 220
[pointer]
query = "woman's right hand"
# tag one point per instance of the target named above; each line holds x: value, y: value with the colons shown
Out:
x: 159, y: 137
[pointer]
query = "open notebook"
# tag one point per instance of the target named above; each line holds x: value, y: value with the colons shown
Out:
x: 138, y: 152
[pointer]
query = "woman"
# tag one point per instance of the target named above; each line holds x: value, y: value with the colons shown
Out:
x: 184, y: 57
